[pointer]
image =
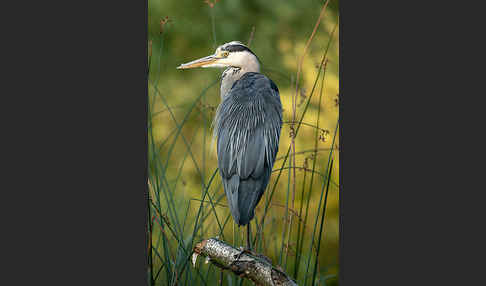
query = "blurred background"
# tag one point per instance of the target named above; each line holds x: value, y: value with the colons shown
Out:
x: 187, y: 199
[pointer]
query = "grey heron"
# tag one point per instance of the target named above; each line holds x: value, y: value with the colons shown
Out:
x: 247, y: 127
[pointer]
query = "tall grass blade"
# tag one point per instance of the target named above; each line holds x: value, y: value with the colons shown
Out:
x: 322, y: 225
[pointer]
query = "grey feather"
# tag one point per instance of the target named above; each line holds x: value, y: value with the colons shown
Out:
x: 231, y: 186
x: 247, y: 126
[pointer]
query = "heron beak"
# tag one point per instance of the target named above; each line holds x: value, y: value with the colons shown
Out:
x: 202, y: 62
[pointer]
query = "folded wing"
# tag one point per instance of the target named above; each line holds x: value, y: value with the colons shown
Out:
x: 247, y: 126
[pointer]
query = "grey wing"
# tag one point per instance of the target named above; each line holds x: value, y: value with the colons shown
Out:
x: 248, y: 124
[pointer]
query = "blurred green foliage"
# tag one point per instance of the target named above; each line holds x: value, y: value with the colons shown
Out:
x: 185, y: 102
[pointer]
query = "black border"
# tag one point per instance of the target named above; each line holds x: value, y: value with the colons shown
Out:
x: 76, y: 163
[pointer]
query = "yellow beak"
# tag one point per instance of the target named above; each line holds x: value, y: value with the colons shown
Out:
x: 198, y: 63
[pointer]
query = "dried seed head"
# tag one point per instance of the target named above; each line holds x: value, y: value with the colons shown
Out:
x: 292, y: 132
x: 211, y: 4
x: 163, y: 22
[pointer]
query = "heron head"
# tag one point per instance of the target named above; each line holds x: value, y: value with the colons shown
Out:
x: 232, y: 54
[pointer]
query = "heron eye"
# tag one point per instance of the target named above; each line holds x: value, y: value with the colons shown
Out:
x: 225, y: 53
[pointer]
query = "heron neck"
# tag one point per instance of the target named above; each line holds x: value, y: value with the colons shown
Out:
x: 232, y: 74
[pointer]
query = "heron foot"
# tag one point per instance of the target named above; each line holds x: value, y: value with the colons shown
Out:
x: 251, y: 252
x: 242, y: 251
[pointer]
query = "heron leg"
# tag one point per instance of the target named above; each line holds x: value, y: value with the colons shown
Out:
x: 248, y: 245
x: 248, y: 249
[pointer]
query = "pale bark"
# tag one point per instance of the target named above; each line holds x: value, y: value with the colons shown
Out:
x: 256, y: 267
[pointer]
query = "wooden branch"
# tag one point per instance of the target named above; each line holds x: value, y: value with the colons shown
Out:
x: 252, y: 266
